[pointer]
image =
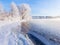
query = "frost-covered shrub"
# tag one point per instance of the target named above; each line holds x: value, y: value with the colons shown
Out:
x: 14, y: 9
x: 25, y: 10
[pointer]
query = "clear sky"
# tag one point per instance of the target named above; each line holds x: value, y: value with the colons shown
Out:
x: 39, y: 7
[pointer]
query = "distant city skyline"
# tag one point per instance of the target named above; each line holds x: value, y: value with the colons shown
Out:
x: 39, y: 7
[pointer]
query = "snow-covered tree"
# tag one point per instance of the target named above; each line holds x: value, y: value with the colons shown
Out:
x: 14, y: 9
x: 3, y: 13
x: 24, y: 10
x: 14, y: 12
x: 1, y: 10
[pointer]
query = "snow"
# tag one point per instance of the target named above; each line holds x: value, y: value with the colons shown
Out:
x: 10, y: 33
x: 14, y: 10
x: 51, y: 26
x: 10, y: 26
x: 48, y: 28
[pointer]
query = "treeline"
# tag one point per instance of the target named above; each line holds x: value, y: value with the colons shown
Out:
x: 45, y: 17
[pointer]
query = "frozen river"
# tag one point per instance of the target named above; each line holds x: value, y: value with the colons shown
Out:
x: 48, y: 28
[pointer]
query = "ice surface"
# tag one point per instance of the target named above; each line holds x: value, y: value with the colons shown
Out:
x: 48, y: 28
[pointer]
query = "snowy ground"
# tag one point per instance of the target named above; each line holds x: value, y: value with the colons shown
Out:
x: 10, y: 33
x: 48, y: 28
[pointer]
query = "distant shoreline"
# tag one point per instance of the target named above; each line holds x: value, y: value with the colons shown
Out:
x: 45, y: 17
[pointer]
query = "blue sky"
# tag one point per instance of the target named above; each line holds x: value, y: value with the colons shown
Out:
x: 39, y: 7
